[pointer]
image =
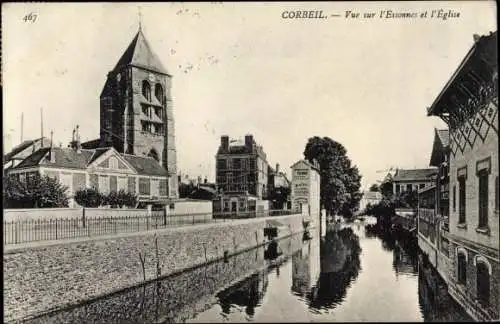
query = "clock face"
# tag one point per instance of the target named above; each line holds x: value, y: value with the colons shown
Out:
x: 151, y: 77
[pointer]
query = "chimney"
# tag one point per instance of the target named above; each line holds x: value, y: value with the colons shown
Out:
x: 78, y: 144
x: 248, y: 140
x: 51, y: 158
x: 277, y: 168
x: 224, y: 142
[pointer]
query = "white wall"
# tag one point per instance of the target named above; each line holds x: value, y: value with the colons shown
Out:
x: 191, y: 207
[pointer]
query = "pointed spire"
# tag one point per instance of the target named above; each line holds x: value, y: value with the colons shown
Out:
x: 140, y: 54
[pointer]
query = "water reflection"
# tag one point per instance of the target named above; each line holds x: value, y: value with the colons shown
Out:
x: 340, y: 265
x: 246, y: 294
x: 346, y: 273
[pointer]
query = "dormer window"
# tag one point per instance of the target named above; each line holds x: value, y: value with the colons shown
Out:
x: 146, y: 90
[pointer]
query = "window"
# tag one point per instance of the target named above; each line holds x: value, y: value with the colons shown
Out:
x: 94, y: 181
x: 146, y: 90
x: 163, y: 187
x: 454, y: 202
x: 497, y: 207
x: 104, y: 183
x: 122, y: 183
x: 113, y: 183
x: 144, y: 186
x: 483, y: 282
x: 131, y: 185
x: 408, y: 187
x: 462, y: 267
x: 158, y: 112
x: 483, y: 198
x: 113, y: 163
x: 159, y: 93
x: 229, y: 178
x: 221, y: 164
x: 145, y: 126
x: 398, y: 189
x: 461, y: 200
x: 79, y: 181
x: 252, y: 164
x: 237, y: 164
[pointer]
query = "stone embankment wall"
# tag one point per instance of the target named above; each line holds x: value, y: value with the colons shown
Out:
x: 37, y: 279
x: 177, y: 298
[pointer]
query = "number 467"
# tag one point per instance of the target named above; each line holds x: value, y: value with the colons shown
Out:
x: 30, y: 17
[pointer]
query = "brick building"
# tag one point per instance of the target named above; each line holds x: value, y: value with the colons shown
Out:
x: 241, y: 175
x: 469, y: 105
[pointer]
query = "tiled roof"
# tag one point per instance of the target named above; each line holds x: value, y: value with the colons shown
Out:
x: 145, y: 165
x: 69, y: 158
x: 413, y: 174
x: 34, y: 159
x: 24, y: 145
x: 97, y: 153
x: 139, y: 53
x: 444, y: 136
x: 92, y: 144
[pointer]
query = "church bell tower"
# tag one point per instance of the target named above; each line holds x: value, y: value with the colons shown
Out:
x: 136, y: 106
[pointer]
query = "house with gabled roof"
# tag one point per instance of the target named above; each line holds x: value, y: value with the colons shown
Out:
x: 103, y: 168
x: 413, y: 179
x: 468, y: 104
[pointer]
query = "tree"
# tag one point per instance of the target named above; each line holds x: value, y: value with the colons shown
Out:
x: 374, y: 188
x: 34, y: 192
x: 386, y: 188
x: 340, y: 182
x: 279, y: 196
x: 89, y: 197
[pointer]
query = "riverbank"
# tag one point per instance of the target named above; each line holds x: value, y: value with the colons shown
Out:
x: 43, y: 278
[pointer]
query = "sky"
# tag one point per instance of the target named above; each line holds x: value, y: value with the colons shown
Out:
x: 240, y: 68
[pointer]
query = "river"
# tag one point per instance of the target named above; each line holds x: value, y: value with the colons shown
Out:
x: 345, y: 274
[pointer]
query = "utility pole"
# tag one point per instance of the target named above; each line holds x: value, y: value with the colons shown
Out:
x: 41, y: 126
x: 22, y: 126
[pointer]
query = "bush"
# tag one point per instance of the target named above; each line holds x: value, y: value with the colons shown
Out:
x: 125, y: 198
x: 92, y: 198
x: 89, y: 197
x: 35, y: 192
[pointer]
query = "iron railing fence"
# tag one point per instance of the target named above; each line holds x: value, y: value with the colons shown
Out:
x: 48, y: 229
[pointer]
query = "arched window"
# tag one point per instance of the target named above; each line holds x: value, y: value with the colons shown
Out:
x: 462, y: 266
x: 483, y: 272
x: 159, y: 93
x: 154, y: 154
x: 146, y: 90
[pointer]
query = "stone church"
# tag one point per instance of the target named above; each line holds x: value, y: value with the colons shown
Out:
x: 136, y: 148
